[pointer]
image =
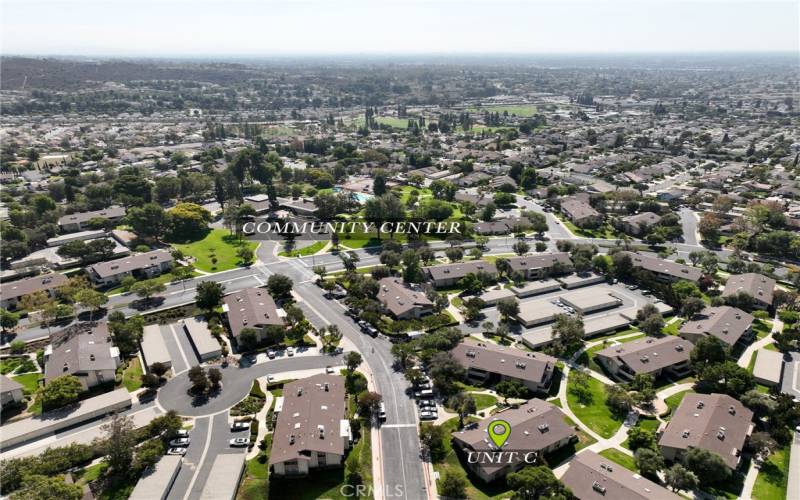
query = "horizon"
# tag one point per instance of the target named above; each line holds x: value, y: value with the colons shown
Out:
x: 177, y: 28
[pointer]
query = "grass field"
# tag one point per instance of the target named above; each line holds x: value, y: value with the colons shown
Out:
x: 773, y: 477
x: 162, y: 278
x: 621, y: 458
x: 594, y: 414
x: 523, y: 110
x: 132, y: 375
x: 29, y: 381
x: 672, y: 328
x: 401, y: 123
x: 217, y: 243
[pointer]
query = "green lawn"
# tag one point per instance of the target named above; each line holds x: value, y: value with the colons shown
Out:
x: 217, y: 243
x: 483, y: 401
x: 614, y: 335
x: 162, y: 278
x: 773, y: 477
x: 621, y: 458
x: 594, y: 414
x: 302, y: 252
x: 391, y: 121
x: 649, y: 424
x: 672, y: 328
x: 771, y: 347
x: 132, y: 375
x: 29, y: 381
x: 90, y: 473
x: 762, y: 328
x: 675, y: 400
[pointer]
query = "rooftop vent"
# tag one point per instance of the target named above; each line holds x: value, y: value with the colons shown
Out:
x: 299, y: 391
x: 685, y: 433
x: 679, y: 347
x: 543, y: 427
x: 732, y: 410
x: 291, y: 439
x: 700, y: 404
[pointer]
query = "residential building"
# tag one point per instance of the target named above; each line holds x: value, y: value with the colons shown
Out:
x: 714, y: 422
x: 11, y: 293
x: 665, y: 270
x: 580, y: 212
x: 536, y: 427
x: 488, y: 363
x: 729, y: 324
x: 638, y: 224
x: 651, y: 356
x: 445, y: 275
x: 758, y: 286
x: 251, y: 308
x: 311, y: 430
x: 402, y: 300
x: 11, y: 391
x: 541, y: 265
x: 593, y: 477
x: 141, y: 266
x: 84, y: 350
x: 80, y: 221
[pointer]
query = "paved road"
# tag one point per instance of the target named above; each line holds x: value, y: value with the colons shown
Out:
x: 236, y: 383
x: 793, y: 490
x: 402, y: 464
x: 689, y: 224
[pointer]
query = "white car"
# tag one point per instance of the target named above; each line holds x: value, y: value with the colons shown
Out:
x: 177, y: 450
x: 179, y: 442
x: 239, y: 442
x: 240, y: 426
x: 182, y: 433
x: 329, y: 369
x: 427, y: 415
x: 271, y: 354
x: 290, y: 352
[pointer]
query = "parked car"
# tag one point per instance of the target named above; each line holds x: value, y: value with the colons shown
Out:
x: 382, y: 412
x: 240, y: 426
x: 426, y: 403
x: 271, y: 354
x: 423, y: 394
x: 329, y: 369
x: 427, y: 415
x: 179, y: 442
x: 182, y: 433
x: 239, y: 442
x: 177, y: 450
x: 290, y: 351
x: 471, y: 426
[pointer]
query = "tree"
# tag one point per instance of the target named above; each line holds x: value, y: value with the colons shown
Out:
x: 692, y: 306
x: 488, y: 212
x: 188, y: 221
x: 618, y: 399
x: 150, y: 380
x: 209, y: 295
x: 91, y: 299
x: 445, y: 372
x: 248, y: 339
x: 60, y: 391
x: 520, y: 247
x: 147, y: 288
x: 510, y: 389
x: 149, y: 222
x: 352, y: 360
x: 197, y: 376
x: 679, y: 477
x: 464, y: 404
x: 453, y: 484
x: 43, y: 487
x: 648, y: 461
x: 273, y: 334
x: 537, y: 482
x: 126, y: 332
x: 432, y: 439
x: 279, y: 286
x: 568, y: 334
x: 454, y: 254
x: 709, y: 226
x: 761, y: 443
x: 639, y: 437
x: 726, y: 377
x: 119, y: 443
x: 8, y: 320
x: 652, y: 325
x: 245, y: 254
x: 707, y: 351
x: 214, y: 377
x: 148, y: 454
x: 508, y: 308
x: 159, y: 369
x: 369, y: 402
x: 709, y: 467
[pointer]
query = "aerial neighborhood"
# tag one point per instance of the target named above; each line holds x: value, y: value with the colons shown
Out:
x: 621, y: 291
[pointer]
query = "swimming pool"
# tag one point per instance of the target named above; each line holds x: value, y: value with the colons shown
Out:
x: 361, y: 197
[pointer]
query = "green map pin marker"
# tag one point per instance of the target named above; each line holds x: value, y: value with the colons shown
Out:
x: 499, y: 430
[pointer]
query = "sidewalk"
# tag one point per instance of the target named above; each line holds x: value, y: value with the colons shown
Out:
x: 261, y: 418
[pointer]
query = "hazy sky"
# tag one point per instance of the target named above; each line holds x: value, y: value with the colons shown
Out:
x: 274, y: 27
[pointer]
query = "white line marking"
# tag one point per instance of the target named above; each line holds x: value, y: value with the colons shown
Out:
x: 202, y: 458
x: 392, y: 426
